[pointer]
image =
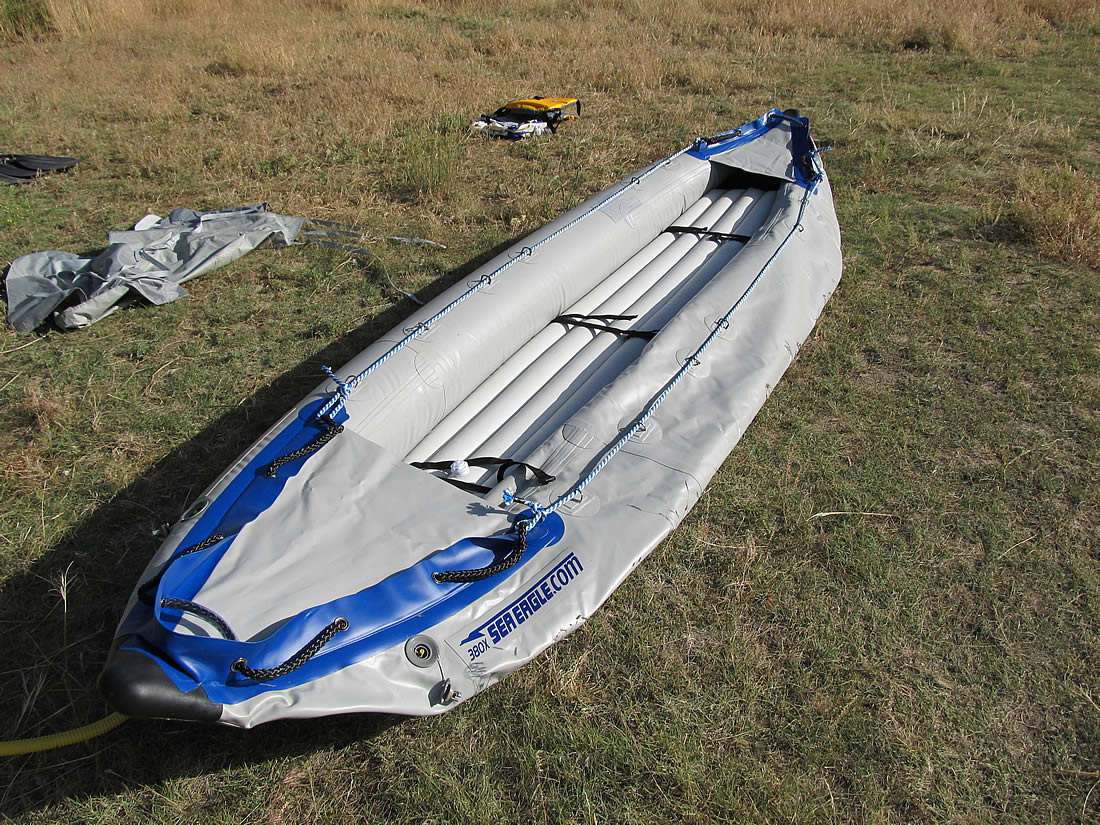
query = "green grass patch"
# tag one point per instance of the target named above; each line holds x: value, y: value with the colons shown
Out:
x: 23, y: 17
x: 424, y: 158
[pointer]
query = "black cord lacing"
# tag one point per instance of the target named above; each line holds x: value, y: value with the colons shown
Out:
x: 312, y: 648
x: 330, y: 431
x: 203, y: 612
x: 519, y: 547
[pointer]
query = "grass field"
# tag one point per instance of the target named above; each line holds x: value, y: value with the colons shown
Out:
x: 886, y: 606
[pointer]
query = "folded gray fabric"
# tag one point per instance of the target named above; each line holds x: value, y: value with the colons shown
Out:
x: 148, y: 262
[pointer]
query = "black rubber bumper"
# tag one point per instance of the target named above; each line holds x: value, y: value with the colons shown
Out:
x: 134, y: 684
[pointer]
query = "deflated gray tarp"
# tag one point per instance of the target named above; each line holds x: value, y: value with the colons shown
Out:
x: 150, y: 261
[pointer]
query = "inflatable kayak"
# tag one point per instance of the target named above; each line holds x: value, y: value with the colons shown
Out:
x: 470, y: 488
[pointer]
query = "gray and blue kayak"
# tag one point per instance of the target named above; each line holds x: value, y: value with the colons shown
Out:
x: 470, y: 488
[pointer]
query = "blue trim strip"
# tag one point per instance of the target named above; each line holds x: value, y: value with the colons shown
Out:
x: 801, y: 144
x: 704, y: 150
x: 381, y: 616
x: 246, y: 496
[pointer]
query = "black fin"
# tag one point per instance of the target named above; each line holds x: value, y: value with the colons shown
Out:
x: 134, y: 684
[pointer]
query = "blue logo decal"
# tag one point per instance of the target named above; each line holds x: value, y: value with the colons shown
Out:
x: 538, y: 594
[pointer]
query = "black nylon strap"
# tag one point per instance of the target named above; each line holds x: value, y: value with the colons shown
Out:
x: 468, y: 486
x: 707, y: 233
x: 602, y: 323
x: 504, y: 464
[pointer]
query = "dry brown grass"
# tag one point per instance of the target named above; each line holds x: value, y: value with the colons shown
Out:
x: 918, y: 24
x: 1057, y: 208
x: 315, y: 90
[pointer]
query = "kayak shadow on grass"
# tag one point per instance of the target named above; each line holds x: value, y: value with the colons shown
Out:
x: 57, y: 620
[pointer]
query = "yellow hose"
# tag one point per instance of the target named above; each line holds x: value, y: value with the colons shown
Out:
x: 59, y: 740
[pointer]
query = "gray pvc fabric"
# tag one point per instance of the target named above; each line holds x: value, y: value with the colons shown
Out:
x: 148, y: 262
x: 772, y: 154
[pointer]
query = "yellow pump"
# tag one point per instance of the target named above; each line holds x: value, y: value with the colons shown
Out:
x: 559, y: 108
x: 528, y: 116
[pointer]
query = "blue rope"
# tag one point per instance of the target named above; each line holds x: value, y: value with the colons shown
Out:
x: 541, y: 512
x: 344, y: 389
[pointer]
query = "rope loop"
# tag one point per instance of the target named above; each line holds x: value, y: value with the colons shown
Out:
x: 188, y: 606
x: 311, y: 649
x: 147, y: 592
x: 329, y: 430
x: 519, y: 547
x: 540, y: 512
